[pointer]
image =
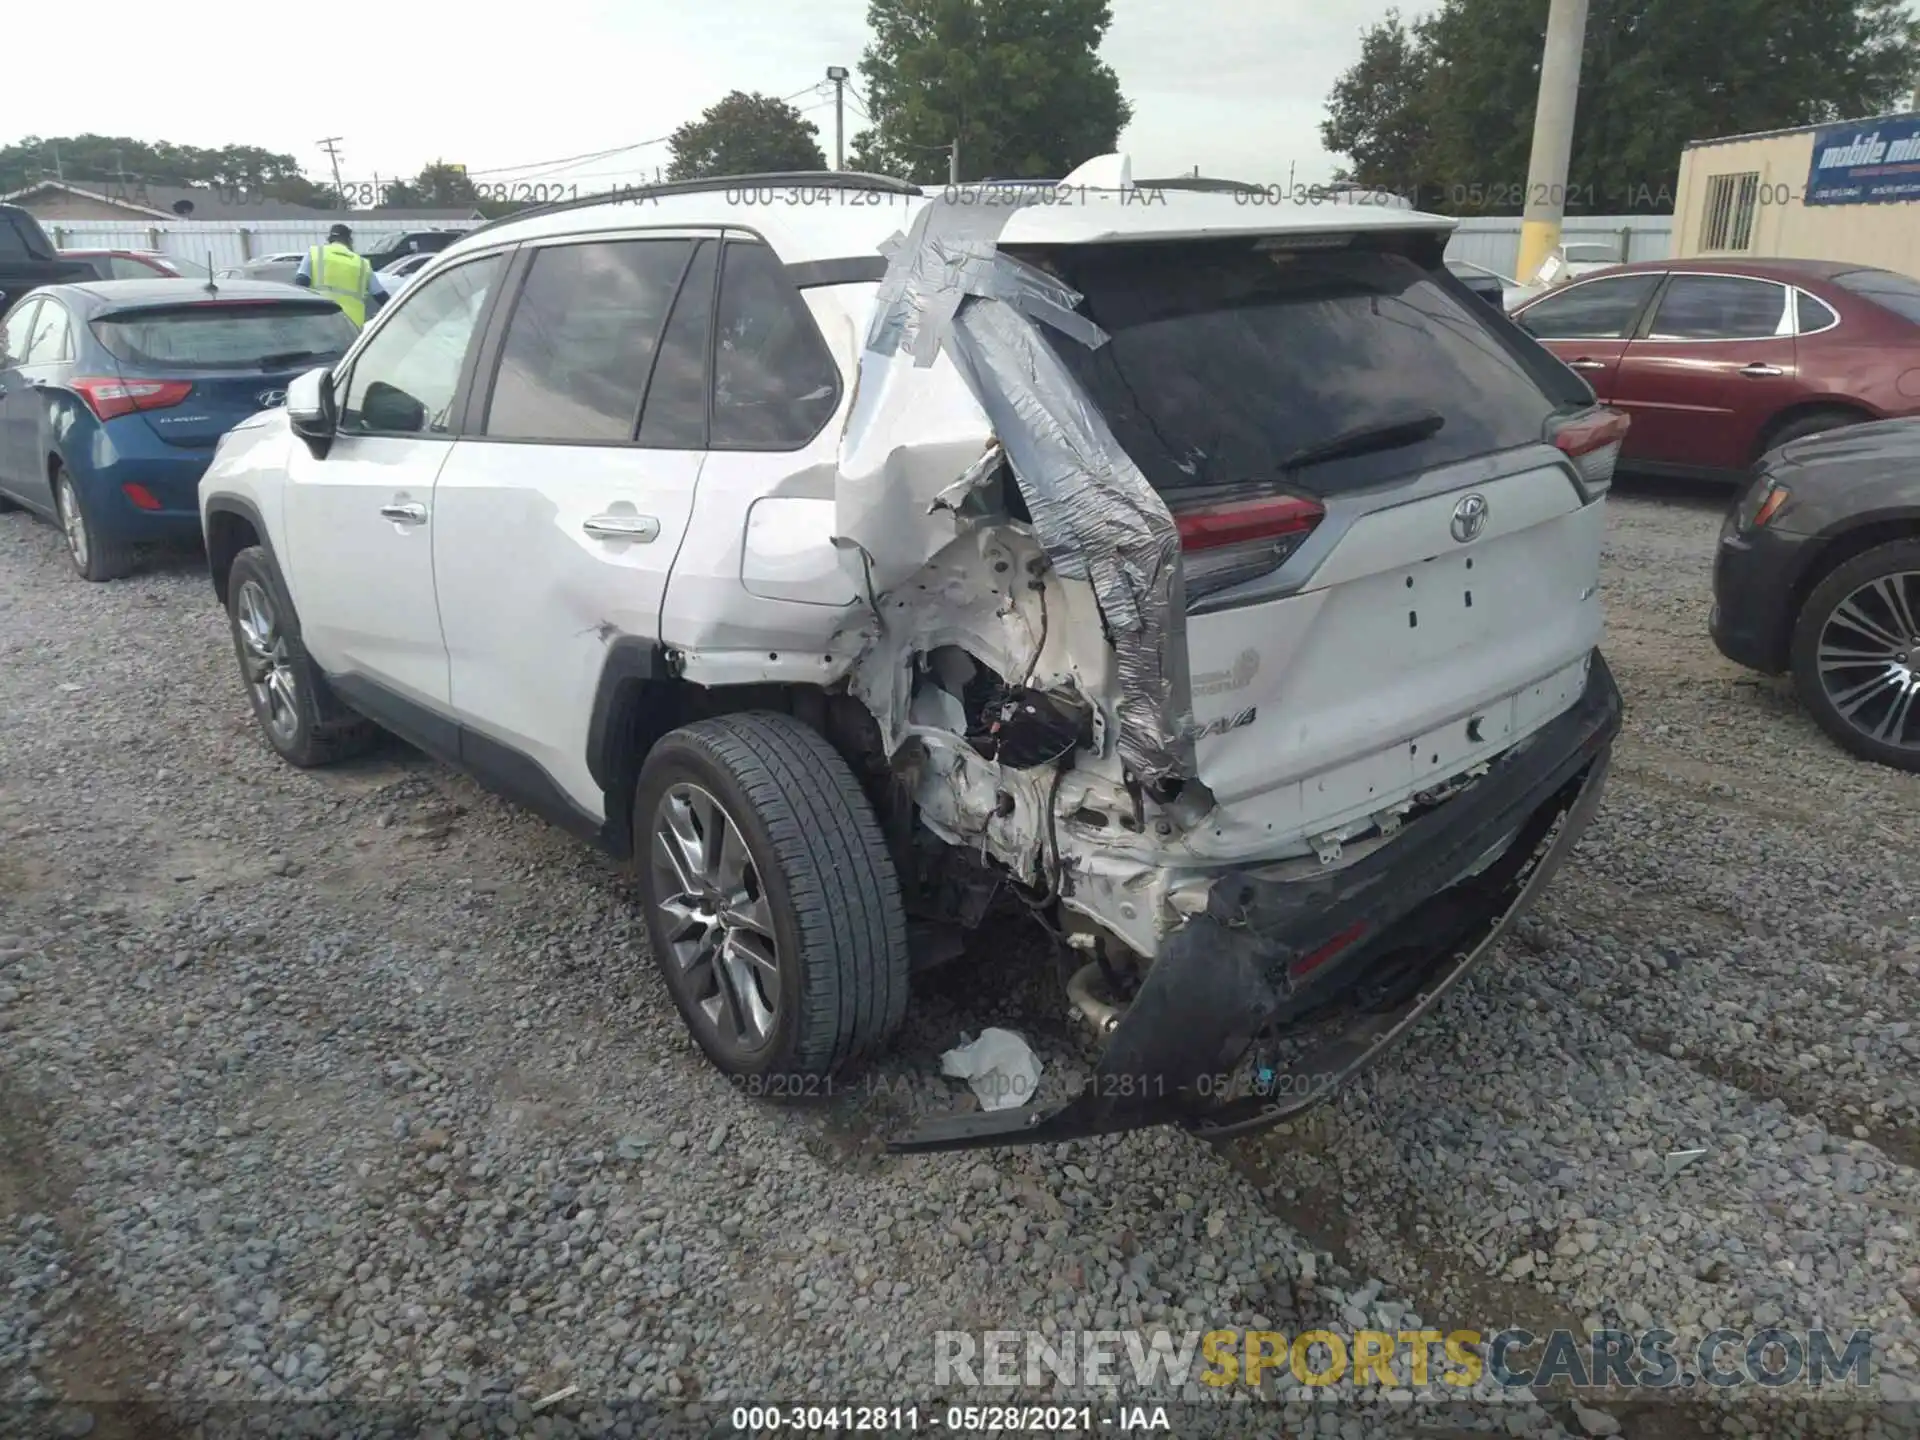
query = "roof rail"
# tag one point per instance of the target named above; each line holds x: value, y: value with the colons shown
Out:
x: 817, y: 179
x: 1204, y: 183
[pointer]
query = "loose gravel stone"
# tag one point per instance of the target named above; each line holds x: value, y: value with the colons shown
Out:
x: 358, y: 1084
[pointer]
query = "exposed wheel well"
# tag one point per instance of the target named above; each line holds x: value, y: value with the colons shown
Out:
x: 1795, y: 413
x: 227, y: 535
x: 1835, y: 553
x: 639, y: 710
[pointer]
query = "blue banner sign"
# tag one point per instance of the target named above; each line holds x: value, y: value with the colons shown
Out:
x: 1872, y: 164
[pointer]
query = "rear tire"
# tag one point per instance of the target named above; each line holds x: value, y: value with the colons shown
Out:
x: 94, y: 557
x: 1856, y: 612
x: 298, y: 713
x: 773, y: 908
x: 1816, y: 422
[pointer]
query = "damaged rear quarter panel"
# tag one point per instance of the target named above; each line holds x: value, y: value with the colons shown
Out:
x: 950, y: 293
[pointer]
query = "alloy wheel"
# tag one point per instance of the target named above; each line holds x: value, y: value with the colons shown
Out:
x: 1869, y: 659
x: 264, y: 661
x: 74, y: 523
x: 716, y: 917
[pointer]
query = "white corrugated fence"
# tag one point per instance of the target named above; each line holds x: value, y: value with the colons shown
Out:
x: 1494, y: 243
x: 223, y: 242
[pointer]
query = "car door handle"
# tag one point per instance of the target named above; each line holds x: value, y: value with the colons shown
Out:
x: 622, y: 527
x: 1760, y: 371
x: 407, y: 513
x: 1586, y: 364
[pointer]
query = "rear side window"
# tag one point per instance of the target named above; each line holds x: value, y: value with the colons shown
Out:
x: 1596, y: 310
x: 125, y: 267
x: 1227, y: 365
x: 580, y: 346
x: 52, y: 335
x: 774, y: 381
x: 228, y: 336
x: 1885, y: 288
x: 1815, y: 314
x: 14, y: 243
x: 1720, y: 307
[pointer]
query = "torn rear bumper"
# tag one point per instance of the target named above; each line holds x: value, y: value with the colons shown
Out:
x: 1428, y: 900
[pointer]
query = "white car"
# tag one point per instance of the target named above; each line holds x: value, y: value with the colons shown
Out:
x: 1587, y: 259
x: 1512, y: 293
x: 1213, y: 581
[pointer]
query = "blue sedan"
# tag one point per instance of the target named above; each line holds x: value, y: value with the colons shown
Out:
x: 114, y: 393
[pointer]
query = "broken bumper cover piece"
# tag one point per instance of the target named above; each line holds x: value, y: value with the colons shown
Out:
x: 1227, y: 974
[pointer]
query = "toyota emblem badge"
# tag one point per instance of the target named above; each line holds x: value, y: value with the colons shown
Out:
x: 1469, y: 518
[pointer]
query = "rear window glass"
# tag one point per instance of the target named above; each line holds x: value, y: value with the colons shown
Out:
x: 1226, y: 363
x: 1887, y: 289
x: 218, y: 337
x: 14, y: 243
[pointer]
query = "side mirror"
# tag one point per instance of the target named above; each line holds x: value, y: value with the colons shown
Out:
x: 310, y: 410
x: 310, y: 403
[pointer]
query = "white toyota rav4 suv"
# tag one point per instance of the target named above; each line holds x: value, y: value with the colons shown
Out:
x: 1216, y: 578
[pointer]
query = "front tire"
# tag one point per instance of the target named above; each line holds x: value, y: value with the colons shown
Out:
x: 1856, y: 654
x: 298, y: 714
x: 772, y: 905
x: 94, y: 556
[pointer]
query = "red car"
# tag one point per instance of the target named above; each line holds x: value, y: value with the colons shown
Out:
x: 127, y: 264
x: 1719, y: 361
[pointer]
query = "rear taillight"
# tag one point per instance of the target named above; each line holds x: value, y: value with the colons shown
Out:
x: 1592, y: 440
x: 1227, y: 544
x: 109, y: 398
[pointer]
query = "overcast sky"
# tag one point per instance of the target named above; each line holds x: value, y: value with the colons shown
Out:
x: 1236, y: 87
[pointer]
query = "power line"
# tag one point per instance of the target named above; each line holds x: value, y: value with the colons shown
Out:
x: 548, y: 167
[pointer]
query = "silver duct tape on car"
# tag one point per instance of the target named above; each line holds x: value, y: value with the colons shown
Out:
x: 949, y: 287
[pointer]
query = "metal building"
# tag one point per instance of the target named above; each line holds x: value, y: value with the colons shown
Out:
x: 1848, y: 191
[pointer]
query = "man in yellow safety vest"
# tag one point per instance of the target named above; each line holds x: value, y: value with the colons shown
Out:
x: 336, y: 271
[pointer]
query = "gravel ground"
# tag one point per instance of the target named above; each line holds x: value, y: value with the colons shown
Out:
x: 357, y: 1086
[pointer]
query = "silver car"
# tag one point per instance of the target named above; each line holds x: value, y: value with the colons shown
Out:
x: 266, y: 267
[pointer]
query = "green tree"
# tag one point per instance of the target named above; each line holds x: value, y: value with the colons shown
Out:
x: 1654, y: 75
x: 745, y: 135
x: 1018, y: 83
x: 120, y: 164
x: 437, y: 186
x: 1376, y: 114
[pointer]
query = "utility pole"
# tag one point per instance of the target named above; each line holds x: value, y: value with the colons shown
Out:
x: 838, y: 75
x: 59, y: 172
x: 953, y: 163
x: 1553, y: 119
x: 333, y: 154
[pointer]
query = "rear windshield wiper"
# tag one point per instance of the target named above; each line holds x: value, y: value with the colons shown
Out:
x: 287, y: 357
x: 1367, y: 439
